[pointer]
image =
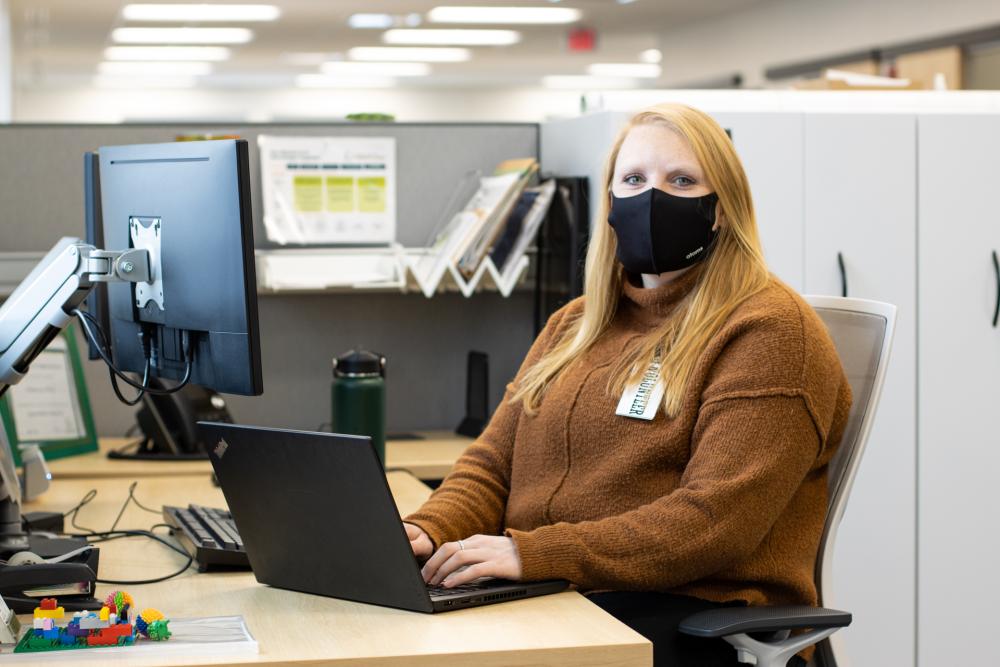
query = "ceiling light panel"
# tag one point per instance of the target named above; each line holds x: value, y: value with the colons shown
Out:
x: 154, y: 68
x: 375, y: 69
x: 651, y: 56
x: 137, y: 82
x: 426, y: 54
x: 504, y: 15
x: 455, y: 37
x: 370, y: 21
x: 181, y: 35
x: 323, y: 81
x: 581, y: 82
x: 640, y: 70
x: 383, y: 21
x: 167, y: 53
x: 308, y: 58
x: 200, y: 12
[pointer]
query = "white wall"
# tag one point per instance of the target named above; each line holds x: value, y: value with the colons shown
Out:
x: 82, y: 105
x: 235, y: 105
x: 6, y: 79
x: 785, y: 31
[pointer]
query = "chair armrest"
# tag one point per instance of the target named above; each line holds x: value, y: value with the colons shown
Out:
x: 735, y: 620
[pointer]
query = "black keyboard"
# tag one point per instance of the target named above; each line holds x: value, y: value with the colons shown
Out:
x: 208, y: 534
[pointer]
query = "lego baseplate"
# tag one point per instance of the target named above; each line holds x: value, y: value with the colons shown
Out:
x: 63, y: 641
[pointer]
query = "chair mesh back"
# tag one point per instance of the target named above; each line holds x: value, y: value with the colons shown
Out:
x: 858, y: 338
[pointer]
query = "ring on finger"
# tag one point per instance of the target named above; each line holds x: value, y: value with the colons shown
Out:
x: 461, y: 547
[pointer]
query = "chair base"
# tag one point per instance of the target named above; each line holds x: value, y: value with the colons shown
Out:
x: 775, y: 653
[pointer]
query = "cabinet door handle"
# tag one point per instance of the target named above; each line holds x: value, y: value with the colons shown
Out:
x: 843, y: 273
x: 996, y: 308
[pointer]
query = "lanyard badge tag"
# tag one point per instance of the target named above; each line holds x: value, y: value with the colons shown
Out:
x: 641, y: 400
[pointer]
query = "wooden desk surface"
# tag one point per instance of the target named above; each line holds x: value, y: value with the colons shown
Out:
x: 429, y: 458
x: 563, y: 629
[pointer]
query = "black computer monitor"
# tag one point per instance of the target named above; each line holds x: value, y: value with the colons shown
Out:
x: 188, y: 203
x: 97, y: 300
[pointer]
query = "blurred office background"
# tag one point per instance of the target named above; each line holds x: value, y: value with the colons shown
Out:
x: 300, y: 60
x: 873, y: 184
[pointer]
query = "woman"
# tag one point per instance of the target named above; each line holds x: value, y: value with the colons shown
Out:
x: 664, y: 446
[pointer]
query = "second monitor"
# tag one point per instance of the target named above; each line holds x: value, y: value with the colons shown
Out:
x: 195, y: 319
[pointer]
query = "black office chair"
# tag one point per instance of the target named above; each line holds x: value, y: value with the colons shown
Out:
x: 862, y: 332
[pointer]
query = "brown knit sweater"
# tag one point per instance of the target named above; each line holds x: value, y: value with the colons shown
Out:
x: 724, y: 502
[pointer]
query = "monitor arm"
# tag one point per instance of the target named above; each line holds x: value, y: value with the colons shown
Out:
x: 33, y: 316
x: 42, y: 304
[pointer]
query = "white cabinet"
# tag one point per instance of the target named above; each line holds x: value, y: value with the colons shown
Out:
x: 579, y: 147
x: 860, y: 204
x: 959, y: 385
x: 770, y: 146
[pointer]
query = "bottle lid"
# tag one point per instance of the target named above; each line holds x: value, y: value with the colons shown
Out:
x: 358, y: 363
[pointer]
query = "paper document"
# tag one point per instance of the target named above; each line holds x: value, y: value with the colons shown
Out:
x: 492, y: 225
x: 522, y: 226
x: 467, y: 223
x: 453, y: 238
x: 44, y: 403
x: 324, y: 190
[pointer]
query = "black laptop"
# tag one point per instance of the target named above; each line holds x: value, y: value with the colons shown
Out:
x: 316, y: 515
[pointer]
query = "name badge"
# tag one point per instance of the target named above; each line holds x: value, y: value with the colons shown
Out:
x: 641, y: 400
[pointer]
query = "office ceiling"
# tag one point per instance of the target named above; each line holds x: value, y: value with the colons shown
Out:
x: 61, y: 42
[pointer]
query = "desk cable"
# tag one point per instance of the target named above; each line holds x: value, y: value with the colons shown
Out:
x: 100, y: 343
x: 94, y: 536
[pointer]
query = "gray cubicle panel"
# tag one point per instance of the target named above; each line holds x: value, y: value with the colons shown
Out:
x: 425, y: 340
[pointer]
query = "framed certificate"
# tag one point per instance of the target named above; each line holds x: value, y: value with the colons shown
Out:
x: 50, y: 406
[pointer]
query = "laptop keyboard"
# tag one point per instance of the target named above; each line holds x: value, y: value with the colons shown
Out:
x: 437, y: 591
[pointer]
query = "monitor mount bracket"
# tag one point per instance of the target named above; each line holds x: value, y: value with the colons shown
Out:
x: 107, y: 266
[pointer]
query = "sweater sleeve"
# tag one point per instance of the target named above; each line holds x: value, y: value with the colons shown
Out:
x: 749, y: 456
x: 473, y: 498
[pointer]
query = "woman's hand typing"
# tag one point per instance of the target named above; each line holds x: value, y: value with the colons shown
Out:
x: 419, y: 541
x: 457, y: 563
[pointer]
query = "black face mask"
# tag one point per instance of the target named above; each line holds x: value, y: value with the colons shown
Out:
x: 659, y: 232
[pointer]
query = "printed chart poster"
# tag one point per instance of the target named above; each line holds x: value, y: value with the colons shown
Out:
x: 327, y: 190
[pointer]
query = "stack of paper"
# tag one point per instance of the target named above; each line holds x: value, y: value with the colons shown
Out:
x: 515, y: 174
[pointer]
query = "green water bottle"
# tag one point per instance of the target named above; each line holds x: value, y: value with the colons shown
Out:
x: 358, y: 396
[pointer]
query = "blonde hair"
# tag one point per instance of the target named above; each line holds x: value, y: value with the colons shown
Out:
x: 733, y: 271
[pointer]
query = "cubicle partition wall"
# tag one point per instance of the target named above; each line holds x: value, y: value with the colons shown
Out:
x: 425, y: 340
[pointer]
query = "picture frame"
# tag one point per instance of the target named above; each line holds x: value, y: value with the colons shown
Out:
x: 50, y: 407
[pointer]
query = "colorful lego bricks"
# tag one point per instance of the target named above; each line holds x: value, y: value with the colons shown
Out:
x: 110, y: 626
x: 152, y: 624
